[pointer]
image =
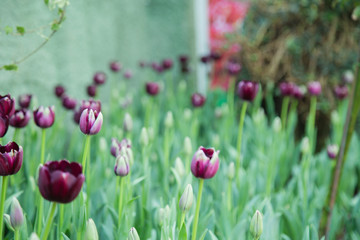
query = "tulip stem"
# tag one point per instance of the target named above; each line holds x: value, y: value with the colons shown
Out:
x: 284, y: 111
x: 182, y: 219
x: 39, y: 216
x: 121, y: 200
x: 311, y: 123
x: 229, y: 196
x: 16, y: 132
x: 230, y: 100
x: 86, y: 151
x: 2, y: 203
x: 49, y: 221
x: 239, y: 139
x: 198, y: 201
x: 43, y: 137
x: 61, y: 219
x: 16, y: 235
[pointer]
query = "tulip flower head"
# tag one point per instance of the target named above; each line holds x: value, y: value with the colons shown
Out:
x: 256, y: 225
x: 115, y: 66
x: 89, y: 104
x: 314, y: 88
x: 152, y: 88
x: 186, y: 199
x: 341, y: 91
x: 91, y: 231
x: 4, y: 125
x: 298, y: 92
x: 11, y: 158
x: 59, y: 91
x: 99, y: 78
x: 128, y: 123
x: 7, y: 106
x: 233, y: 68
x: 128, y: 74
x: 68, y: 102
x: 167, y: 64
x: 133, y: 235
x: 198, y: 100
x: 287, y: 88
x: 205, y: 163
x: 16, y: 214
x: 44, y: 117
x: 122, y: 167
x: 332, y: 151
x: 348, y: 77
x: 90, y: 122
x: 91, y: 90
x: 25, y: 100
x: 60, y: 181
x: 117, y: 147
x: 20, y: 118
x: 247, y: 90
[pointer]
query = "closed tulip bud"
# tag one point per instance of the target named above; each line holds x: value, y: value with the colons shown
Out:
x: 230, y: 173
x: 187, y: 146
x: 187, y: 114
x: 144, y: 137
x: 205, y: 163
x: 11, y: 158
x: 182, y: 86
x: 335, y: 118
x: 115, y: 66
x: 128, y: 74
x: 305, y: 145
x: 163, y: 215
x: 133, y: 235
x: 348, y: 77
x: 69, y: 103
x: 152, y: 88
x: 179, y: 167
x: 128, y: 123
x: 4, y: 125
x: 20, y: 118
x: 287, y: 88
x: 332, y: 151
x: 186, y: 199
x: 16, y: 214
x: 233, y: 68
x: 256, y: 225
x: 247, y: 90
x: 314, y: 88
x: 167, y: 64
x: 34, y: 236
x: 44, y: 117
x: 169, y: 120
x: 25, y: 100
x: 91, y: 231
x: 299, y: 92
x: 90, y: 122
x: 341, y: 91
x: 122, y: 165
x: 102, y: 144
x: 91, y: 90
x: 198, y: 100
x: 99, y: 78
x: 59, y: 91
x: 118, y: 146
x: 276, y: 125
x: 259, y: 116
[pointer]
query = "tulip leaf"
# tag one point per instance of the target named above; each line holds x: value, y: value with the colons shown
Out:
x: 138, y: 180
x: 182, y: 233
x: 64, y: 236
x: 203, y: 235
x: 213, y: 237
x: 132, y: 200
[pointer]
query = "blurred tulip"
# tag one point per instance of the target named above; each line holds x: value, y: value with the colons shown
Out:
x: 186, y: 199
x: 341, y: 91
x: 314, y: 88
x: 348, y: 77
x: 91, y: 231
x: 117, y: 146
x: 187, y: 146
x: 20, y: 118
x: 69, y: 103
x: 115, y: 66
x: 183, y: 58
x: 25, y: 100
x: 60, y: 181
x: 44, y: 117
x: 144, y: 137
x: 4, y: 125
x: 91, y: 90
x: 128, y: 74
x: 198, y: 100
x: 152, y: 88
x: 205, y: 163
x: 34, y: 236
x: 215, y: 56
x: 167, y: 64
x: 332, y: 151
x: 247, y: 90
x: 299, y: 92
x: 11, y: 158
x: 256, y: 225
x: 59, y: 90
x: 16, y: 214
x: 99, y: 78
x: 7, y: 106
x: 133, y: 235
x: 233, y: 68
x: 90, y: 122
x: 122, y: 167
x: 169, y: 120
x: 230, y: 173
x: 287, y: 88
x: 179, y: 167
x: 205, y: 59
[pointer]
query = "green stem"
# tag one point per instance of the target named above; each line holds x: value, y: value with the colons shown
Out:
x: 284, y: 111
x: 16, y: 132
x: 196, y: 219
x: 148, y: 112
x: 2, y: 203
x: 241, y: 125
x: 43, y: 136
x: 16, y: 235
x: 39, y: 215
x: 121, y: 200
x: 229, y: 195
x: 61, y: 219
x: 182, y: 219
x: 311, y: 123
x: 86, y: 151
x: 49, y: 221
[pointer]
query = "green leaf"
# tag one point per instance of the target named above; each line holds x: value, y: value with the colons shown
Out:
x: 20, y: 30
x: 64, y: 236
x: 55, y: 26
x: 132, y: 200
x: 8, y: 29
x: 182, y: 233
x: 11, y: 67
x: 203, y: 235
x: 46, y: 2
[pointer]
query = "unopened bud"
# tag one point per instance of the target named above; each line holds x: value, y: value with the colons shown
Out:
x: 182, y: 85
x: 16, y: 214
x: 33, y: 236
x: 122, y: 165
x: 128, y: 123
x: 256, y: 225
x: 179, y: 167
x: 133, y: 235
x: 187, y: 146
x: 231, y: 171
x: 103, y: 144
x: 276, y: 125
x: 144, y: 137
x: 187, y: 114
x: 259, y: 116
x: 305, y: 145
x: 169, y: 120
x: 332, y: 151
x: 163, y: 215
x: 91, y: 232
x: 335, y: 117
x: 186, y: 199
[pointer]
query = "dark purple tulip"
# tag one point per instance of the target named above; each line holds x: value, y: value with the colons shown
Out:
x: 247, y: 90
x: 287, y: 88
x: 4, y: 125
x: 332, y: 151
x: 60, y: 181
x: 25, y: 100
x: 183, y: 58
x: 91, y: 90
x: 11, y: 158
x: 314, y: 88
x: 59, y: 91
x: 348, y: 77
x: 205, y: 163
x: 152, y: 88
x: 205, y: 59
x: 44, y: 117
x: 90, y: 122
x: 99, y: 78
x: 20, y: 118
x: 69, y: 103
x: 128, y: 74
x: 341, y: 91
x: 7, y: 106
x: 198, y: 100
x: 115, y: 66
x: 233, y: 68
x: 215, y: 56
x: 167, y: 64
x: 90, y: 104
x: 142, y: 64
x: 298, y: 92
x: 117, y: 146
x: 157, y: 67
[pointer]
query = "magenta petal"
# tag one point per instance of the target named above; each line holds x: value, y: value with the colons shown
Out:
x: 44, y: 182
x: 75, y: 189
x: 61, y: 183
x: 96, y: 127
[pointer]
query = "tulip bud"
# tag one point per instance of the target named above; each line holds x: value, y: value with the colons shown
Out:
x: 102, y: 144
x: 128, y: 123
x: 99, y: 78
x: 259, y: 116
x: 169, y: 120
x: 341, y: 91
x: 332, y: 151
x: 144, y: 137
x: 90, y: 121
x: 348, y: 77
x: 122, y: 164
x: 186, y: 199
x: 305, y: 145
x: 20, y: 118
x: 68, y: 102
x: 179, y: 167
x: 44, y: 117
x: 152, y: 88
x: 91, y: 90
x: 16, y: 214
x: 115, y: 66
x: 287, y: 88
x: 187, y: 114
x: 7, y: 106
x: 187, y: 146
x: 25, y: 100
x: 133, y: 235
x: 230, y: 173
x: 299, y: 92
x: 167, y: 64
x: 182, y: 86
x: 128, y: 74
x: 198, y: 100
x: 59, y: 91
x: 91, y: 232
x: 163, y: 215
x: 205, y: 163
x: 247, y: 90
x: 314, y: 88
x: 276, y: 125
x: 34, y: 236
x: 4, y: 125
x: 233, y: 68
x: 256, y: 225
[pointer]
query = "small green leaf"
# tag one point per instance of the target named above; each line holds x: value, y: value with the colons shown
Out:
x: 11, y: 67
x: 65, y: 237
x: 46, y: 2
x: 55, y: 26
x: 203, y: 235
x: 8, y: 29
x: 20, y: 30
x: 182, y: 233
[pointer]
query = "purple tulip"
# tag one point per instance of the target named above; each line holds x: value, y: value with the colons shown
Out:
x: 59, y: 91
x: 4, y: 125
x: 115, y: 66
x: 298, y: 92
x: 11, y: 158
x: 44, y: 117
x: 90, y: 122
x: 287, y: 88
x: 215, y: 56
x: 69, y: 103
x: 25, y: 100
x: 205, y: 163
x: 122, y: 167
x: 167, y: 64
x: 117, y: 147
x: 60, y: 181
x: 157, y: 67
x: 183, y: 58
x: 152, y: 88
x: 198, y: 100
x: 332, y: 151
x: 247, y: 90
x: 341, y: 91
x: 314, y: 88
x: 233, y: 68
x: 91, y: 90
x: 128, y: 74
x: 20, y: 118
x: 205, y: 59
x: 7, y: 106
x: 90, y: 104
x: 99, y: 78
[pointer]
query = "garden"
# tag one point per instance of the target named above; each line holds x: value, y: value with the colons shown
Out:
x: 155, y: 130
